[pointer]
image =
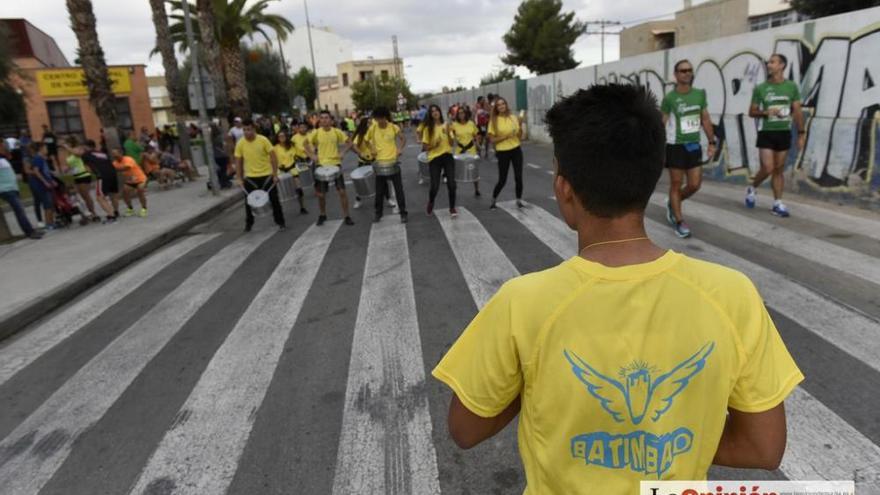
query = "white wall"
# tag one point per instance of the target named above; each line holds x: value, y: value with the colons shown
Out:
x: 330, y: 49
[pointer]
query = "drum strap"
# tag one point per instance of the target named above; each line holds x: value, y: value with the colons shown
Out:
x: 464, y: 147
x: 259, y: 187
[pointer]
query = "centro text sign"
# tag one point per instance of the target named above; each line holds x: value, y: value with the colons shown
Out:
x: 72, y: 82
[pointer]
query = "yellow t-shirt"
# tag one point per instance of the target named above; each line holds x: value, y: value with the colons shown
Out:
x: 327, y: 143
x: 299, y: 143
x: 385, y: 141
x: 256, y: 156
x: 625, y: 374
x: 505, y: 126
x: 362, y: 147
x: 439, y: 139
x: 465, y: 134
x: 286, y: 159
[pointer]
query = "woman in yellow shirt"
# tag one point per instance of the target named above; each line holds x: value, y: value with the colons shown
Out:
x: 285, y: 151
x: 364, y: 152
x: 505, y: 132
x: 467, y: 138
x: 437, y: 142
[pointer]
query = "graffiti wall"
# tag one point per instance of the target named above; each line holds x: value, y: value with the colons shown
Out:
x: 835, y: 61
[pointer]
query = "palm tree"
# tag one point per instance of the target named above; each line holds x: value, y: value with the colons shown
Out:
x: 91, y: 56
x: 165, y: 46
x: 211, y: 56
x: 233, y: 20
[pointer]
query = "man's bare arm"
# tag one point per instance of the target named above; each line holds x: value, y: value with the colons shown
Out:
x: 468, y: 430
x: 753, y: 440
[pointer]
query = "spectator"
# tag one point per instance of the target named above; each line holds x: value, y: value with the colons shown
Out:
x: 51, y: 143
x: 108, y: 180
x: 9, y: 193
x: 153, y: 168
x: 133, y: 148
x: 236, y: 132
x: 42, y: 184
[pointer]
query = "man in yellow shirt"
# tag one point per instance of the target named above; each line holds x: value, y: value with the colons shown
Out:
x: 386, y: 143
x: 257, y: 168
x: 627, y: 362
x: 322, y: 147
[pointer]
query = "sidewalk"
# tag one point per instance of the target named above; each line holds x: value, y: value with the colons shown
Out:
x: 40, y: 275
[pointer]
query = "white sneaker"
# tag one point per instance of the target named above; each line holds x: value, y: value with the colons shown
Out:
x: 392, y: 203
x: 396, y: 210
x: 41, y: 225
x: 357, y: 204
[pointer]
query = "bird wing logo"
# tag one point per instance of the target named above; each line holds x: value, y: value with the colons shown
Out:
x: 640, y: 392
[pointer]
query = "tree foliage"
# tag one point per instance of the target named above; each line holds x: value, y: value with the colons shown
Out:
x: 304, y: 85
x: 503, y: 74
x: 366, y: 97
x: 541, y: 37
x: 822, y: 8
x: 267, y: 85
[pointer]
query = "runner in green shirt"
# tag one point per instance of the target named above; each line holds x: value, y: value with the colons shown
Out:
x: 133, y: 148
x: 776, y: 103
x: 684, y: 114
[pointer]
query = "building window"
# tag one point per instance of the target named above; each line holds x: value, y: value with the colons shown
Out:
x: 345, y: 78
x: 65, y: 118
x: 366, y: 74
x: 775, y: 19
x: 384, y: 74
x: 123, y: 115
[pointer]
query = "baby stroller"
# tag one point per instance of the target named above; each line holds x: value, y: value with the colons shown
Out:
x: 66, y: 206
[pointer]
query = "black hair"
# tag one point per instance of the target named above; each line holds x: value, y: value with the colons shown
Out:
x: 610, y: 143
x: 480, y: 98
x: 322, y: 112
x: 782, y: 58
x: 382, y: 112
x: 429, y: 119
x: 682, y: 61
x: 249, y: 122
x: 287, y: 143
x: 466, y: 111
x: 361, y: 130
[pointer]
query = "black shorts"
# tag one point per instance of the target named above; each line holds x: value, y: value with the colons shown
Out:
x: 774, y: 140
x: 108, y: 186
x: 678, y: 157
x: 322, y: 186
x: 82, y: 180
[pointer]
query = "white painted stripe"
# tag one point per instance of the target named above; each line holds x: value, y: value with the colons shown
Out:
x: 549, y: 229
x: 858, y: 223
x: 821, y: 445
x: 30, y: 345
x: 48, y: 434
x: 846, y: 260
x: 550, y: 172
x: 385, y: 445
x: 200, y: 453
x: 533, y: 165
x: 484, y: 265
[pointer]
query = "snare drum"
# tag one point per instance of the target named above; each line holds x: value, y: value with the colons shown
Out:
x: 286, y: 187
x: 364, y: 185
x: 327, y: 173
x: 385, y: 168
x: 306, y: 178
x: 466, y: 168
x: 258, y: 200
x: 424, y: 170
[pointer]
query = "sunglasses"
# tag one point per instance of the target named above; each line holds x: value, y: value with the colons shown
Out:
x: 686, y: 71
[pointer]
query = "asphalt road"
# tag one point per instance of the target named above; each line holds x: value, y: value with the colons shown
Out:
x: 299, y: 361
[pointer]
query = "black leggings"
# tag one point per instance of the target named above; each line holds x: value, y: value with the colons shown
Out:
x: 443, y: 163
x: 505, y: 158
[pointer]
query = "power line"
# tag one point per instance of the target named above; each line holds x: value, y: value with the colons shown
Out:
x: 602, y: 23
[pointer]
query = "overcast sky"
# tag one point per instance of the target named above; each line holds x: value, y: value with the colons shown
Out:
x: 443, y: 43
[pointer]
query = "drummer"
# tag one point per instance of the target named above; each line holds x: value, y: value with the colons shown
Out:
x: 387, y: 143
x: 322, y: 147
x: 467, y: 138
x: 285, y: 151
x: 437, y: 142
x: 257, y: 168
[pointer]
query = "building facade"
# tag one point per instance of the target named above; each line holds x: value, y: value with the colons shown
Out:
x: 160, y: 101
x: 55, y: 92
x: 335, y: 94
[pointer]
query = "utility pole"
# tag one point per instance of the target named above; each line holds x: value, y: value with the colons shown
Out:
x: 602, y: 23
x: 204, y: 123
x: 312, y: 53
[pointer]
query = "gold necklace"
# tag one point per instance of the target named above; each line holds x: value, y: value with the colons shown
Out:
x: 613, y: 242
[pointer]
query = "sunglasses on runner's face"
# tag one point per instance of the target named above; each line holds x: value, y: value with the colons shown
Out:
x: 686, y: 71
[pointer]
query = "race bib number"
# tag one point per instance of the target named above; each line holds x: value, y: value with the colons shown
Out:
x: 690, y: 124
x: 783, y: 115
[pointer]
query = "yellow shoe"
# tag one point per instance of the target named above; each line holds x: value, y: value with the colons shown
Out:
x: 143, y: 213
x: 128, y: 212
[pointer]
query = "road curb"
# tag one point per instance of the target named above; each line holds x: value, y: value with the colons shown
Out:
x: 20, y: 319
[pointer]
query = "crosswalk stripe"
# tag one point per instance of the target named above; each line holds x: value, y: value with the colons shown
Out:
x: 833, y: 218
x: 41, y: 443
x: 831, y: 255
x: 484, y: 265
x: 532, y: 165
x: 385, y: 445
x: 200, y: 453
x: 808, y: 455
x: 35, y: 342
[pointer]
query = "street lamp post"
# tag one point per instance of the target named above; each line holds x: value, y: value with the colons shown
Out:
x: 373, y: 77
x: 312, y: 54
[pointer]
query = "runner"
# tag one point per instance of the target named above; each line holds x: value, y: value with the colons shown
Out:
x: 135, y: 182
x: 41, y: 183
x: 387, y: 142
x: 323, y: 148
x: 617, y: 376
x: 467, y: 138
x: 436, y: 140
x: 285, y: 152
x: 81, y: 175
x: 257, y: 168
x: 133, y: 148
x: 108, y: 180
x: 775, y: 103
x: 684, y: 112
x: 505, y: 132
